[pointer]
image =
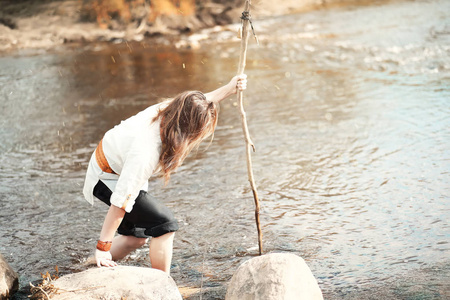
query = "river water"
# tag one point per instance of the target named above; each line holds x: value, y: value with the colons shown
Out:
x: 348, y: 108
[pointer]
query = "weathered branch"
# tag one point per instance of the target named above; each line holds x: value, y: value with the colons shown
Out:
x: 248, y: 142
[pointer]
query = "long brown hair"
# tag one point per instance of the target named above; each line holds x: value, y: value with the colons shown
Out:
x: 185, y: 122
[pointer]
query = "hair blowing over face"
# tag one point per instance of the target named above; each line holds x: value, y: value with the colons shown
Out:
x: 185, y: 122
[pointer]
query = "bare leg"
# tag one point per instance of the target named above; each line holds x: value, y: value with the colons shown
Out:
x: 161, y: 252
x: 122, y: 245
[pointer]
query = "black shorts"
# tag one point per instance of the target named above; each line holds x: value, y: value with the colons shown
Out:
x: 148, y: 218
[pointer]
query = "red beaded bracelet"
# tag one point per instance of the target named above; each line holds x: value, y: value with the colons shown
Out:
x: 104, y: 246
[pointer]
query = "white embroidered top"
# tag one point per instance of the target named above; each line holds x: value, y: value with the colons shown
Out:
x: 132, y: 150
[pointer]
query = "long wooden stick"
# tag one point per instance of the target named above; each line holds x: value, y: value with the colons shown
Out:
x: 240, y: 96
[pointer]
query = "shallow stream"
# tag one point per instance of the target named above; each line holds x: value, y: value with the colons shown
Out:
x: 349, y: 109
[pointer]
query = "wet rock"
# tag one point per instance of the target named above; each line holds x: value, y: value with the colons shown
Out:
x: 8, y: 21
x: 212, y: 14
x: 122, y: 282
x: 9, y: 280
x: 180, y: 23
x: 191, y: 42
x: 274, y: 276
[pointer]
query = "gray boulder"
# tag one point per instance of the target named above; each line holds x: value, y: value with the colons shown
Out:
x: 122, y: 282
x: 9, y: 280
x: 276, y: 276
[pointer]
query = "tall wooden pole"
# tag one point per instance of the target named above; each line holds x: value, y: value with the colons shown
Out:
x: 240, y: 96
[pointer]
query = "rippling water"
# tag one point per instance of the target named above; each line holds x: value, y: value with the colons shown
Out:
x: 349, y: 111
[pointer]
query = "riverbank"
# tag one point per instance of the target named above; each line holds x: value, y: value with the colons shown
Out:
x: 32, y: 24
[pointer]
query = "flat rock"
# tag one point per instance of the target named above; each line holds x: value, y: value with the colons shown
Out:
x: 276, y: 276
x: 121, y: 282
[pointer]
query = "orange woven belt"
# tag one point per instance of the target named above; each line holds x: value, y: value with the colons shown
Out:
x: 101, y: 159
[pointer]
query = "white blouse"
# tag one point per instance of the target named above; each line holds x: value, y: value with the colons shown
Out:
x: 132, y: 150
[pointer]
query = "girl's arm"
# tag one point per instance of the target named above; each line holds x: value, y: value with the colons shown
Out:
x: 237, y: 83
x: 112, y: 221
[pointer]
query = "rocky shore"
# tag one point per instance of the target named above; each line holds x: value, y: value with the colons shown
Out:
x: 33, y: 24
x: 271, y: 276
